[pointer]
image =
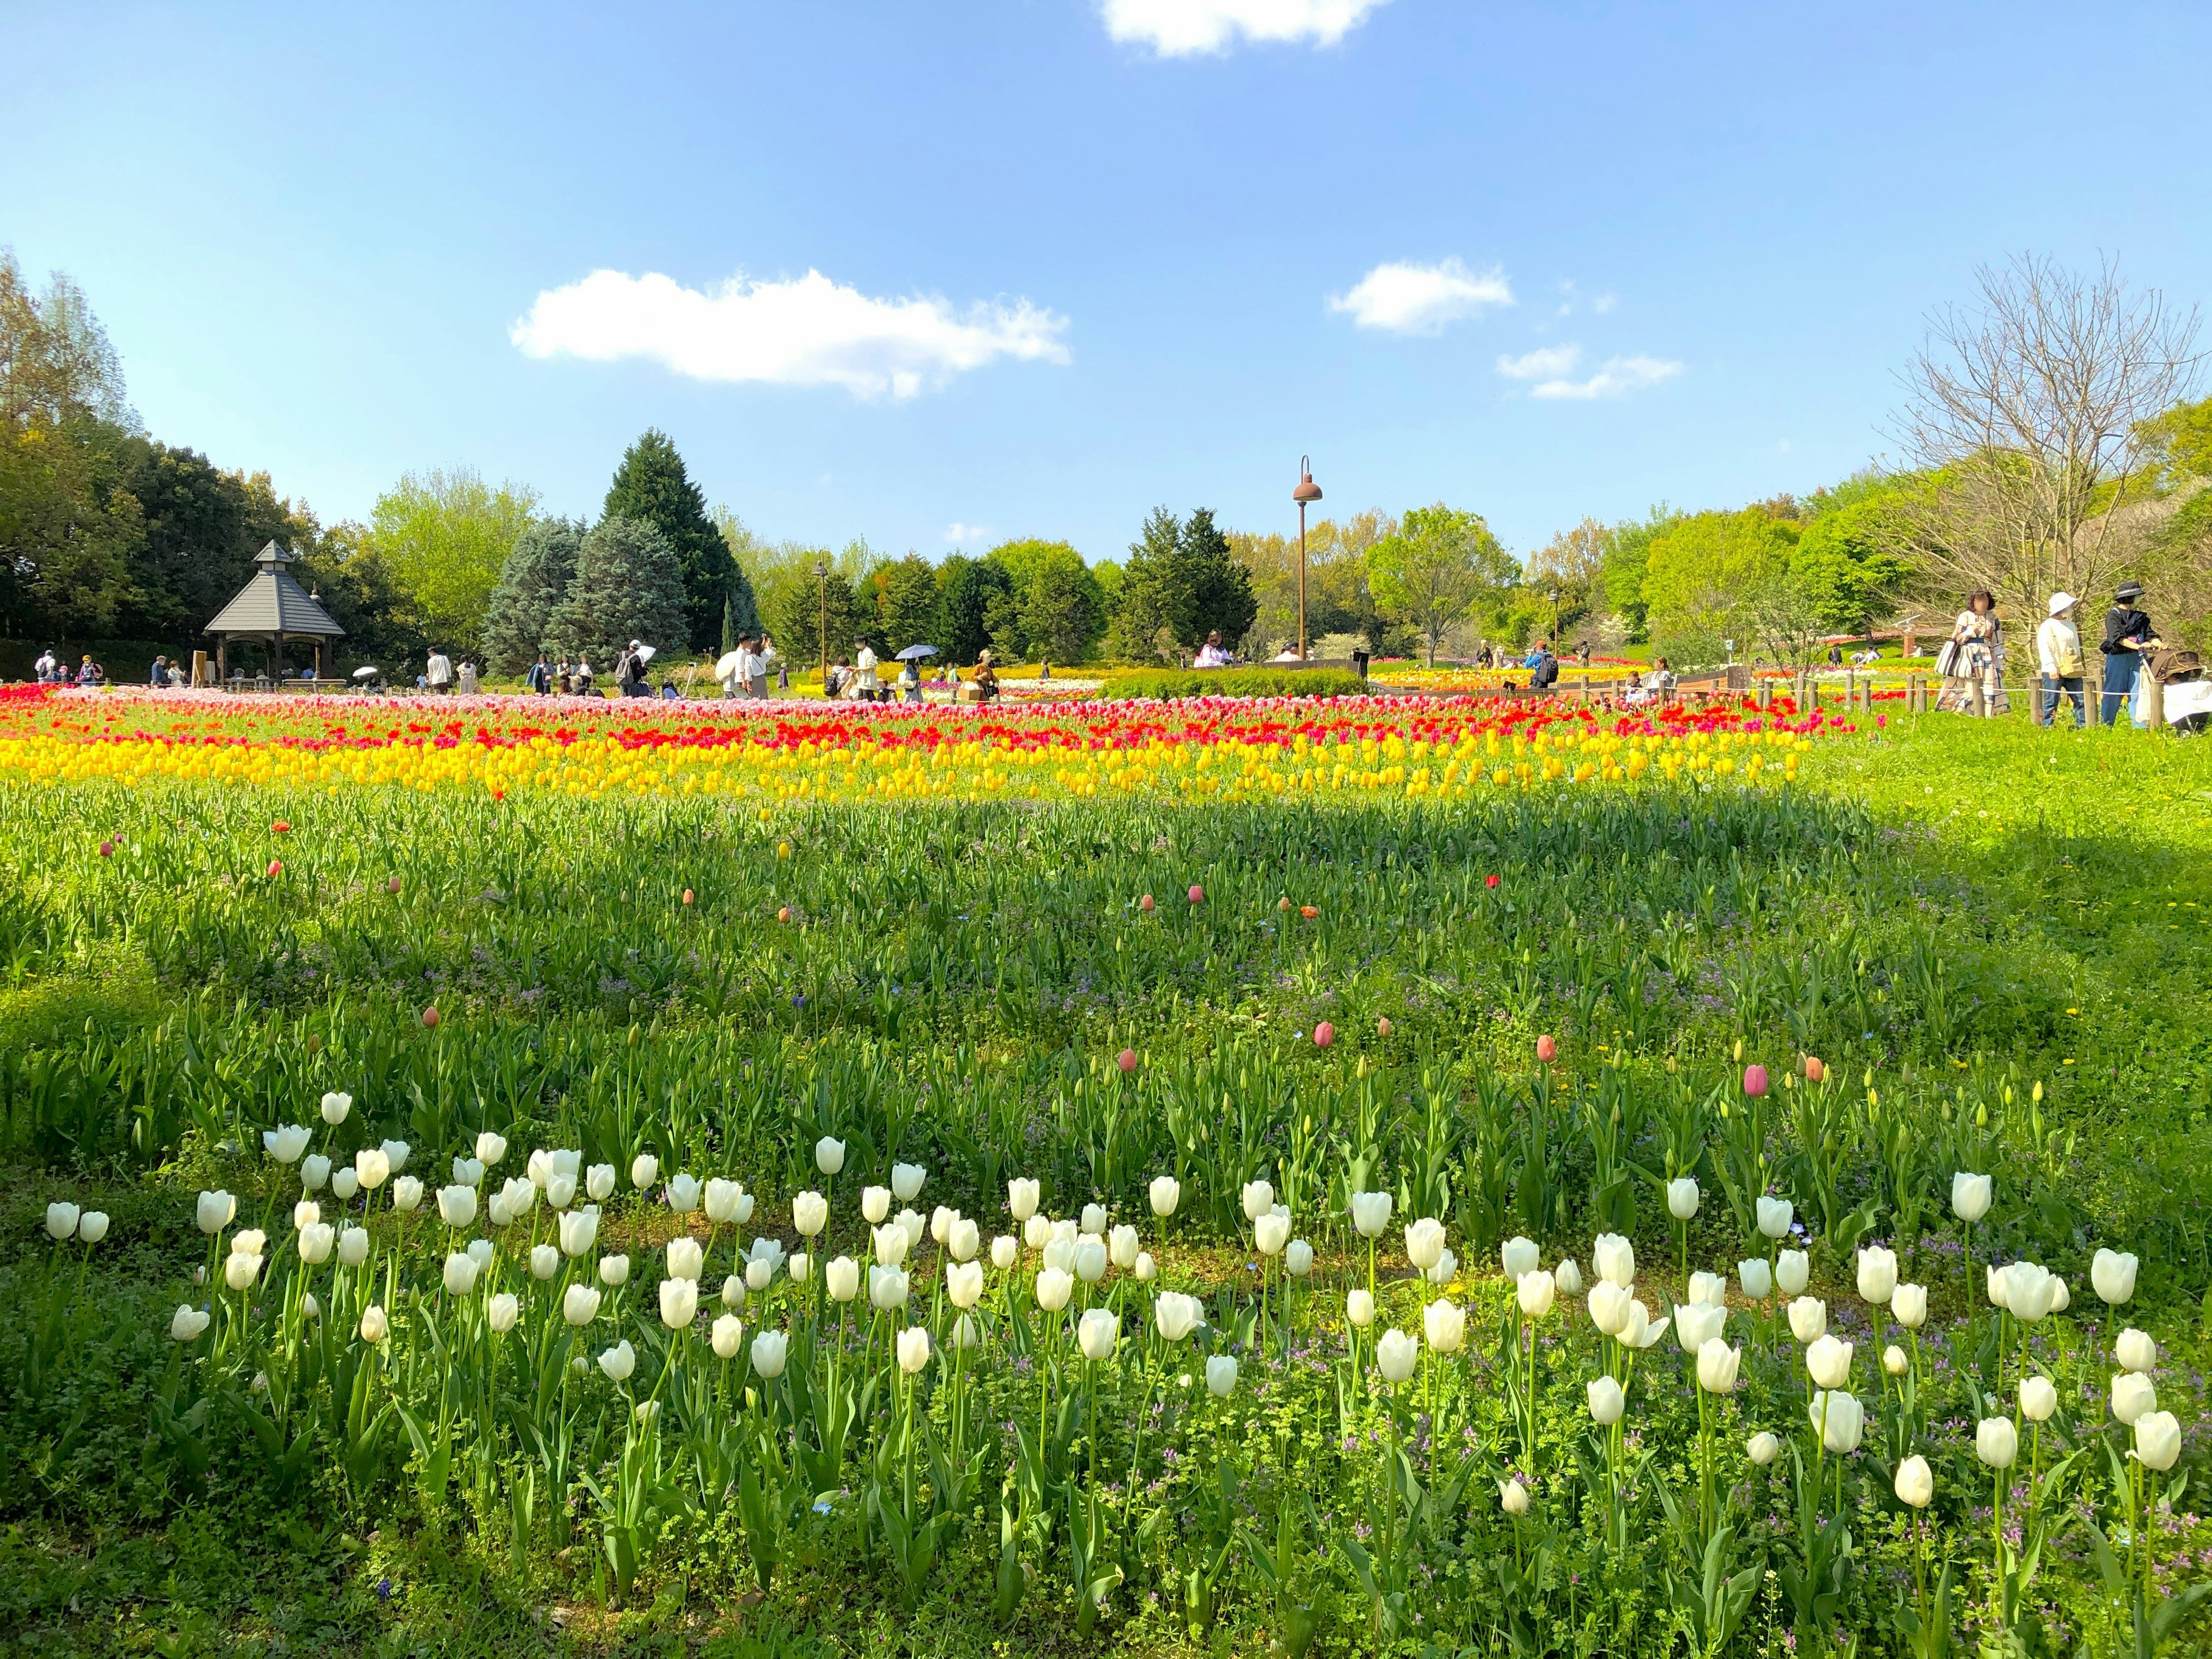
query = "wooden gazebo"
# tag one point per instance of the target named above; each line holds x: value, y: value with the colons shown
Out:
x: 272, y: 607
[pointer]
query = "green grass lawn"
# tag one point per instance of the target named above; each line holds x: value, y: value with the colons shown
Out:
x: 2000, y: 931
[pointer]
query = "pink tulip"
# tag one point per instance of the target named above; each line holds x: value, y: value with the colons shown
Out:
x: 687, y: 895
x: 1197, y: 894
x: 1814, y: 1068
x: 392, y: 886
x: 430, y: 1016
x: 107, y: 849
x: 275, y: 868
x: 1547, y: 1049
x: 1383, y: 1026
x: 1755, y: 1080
x: 1127, y: 1059
x: 1324, y: 1034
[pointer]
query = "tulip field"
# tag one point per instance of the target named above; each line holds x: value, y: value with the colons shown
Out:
x: 1394, y: 1175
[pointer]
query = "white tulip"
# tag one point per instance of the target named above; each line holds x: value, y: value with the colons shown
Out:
x: 502, y: 1311
x: 1359, y: 1308
x: 1996, y: 1443
x: 940, y: 1224
x: 1792, y: 1271
x: 1446, y: 1269
x: 769, y: 1350
x: 1297, y: 1258
x: 810, y: 1213
x: 1808, y: 1318
x: 252, y: 1241
x: 544, y: 1261
x: 912, y: 1348
x: 1717, y: 1364
x: 353, y: 1246
x: 1097, y: 1332
x: 1094, y: 1218
x: 213, y: 1211
x: 188, y: 1322
x: 1165, y: 1193
x: 2112, y: 1275
x: 286, y: 1143
x: 1270, y: 1233
x: 61, y: 1220
x: 1608, y: 1307
x: 460, y: 1274
x: 1146, y: 1270
x: 1513, y: 1497
x: 1121, y: 1247
x: 961, y: 1239
x: 614, y: 1270
x: 875, y: 1205
x: 1877, y: 1276
x: 1535, y: 1292
x: 1642, y: 1331
x: 1037, y: 1231
x: 1696, y: 1323
x: 888, y: 1289
x: 1682, y: 1197
x: 1221, y: 1376
x: 239, y: 1271
x: 733, y: 1292
x: 1090, y: 1259
x: 719, y: 1199
x: 682, y: 1193
x: 1844, y: 1417
x: 1775, y: 1215
x: 1519, y: 1255
x: 1258, y: 1198
x: 1895, y: 1361
x: 829, y: 1154
x: 2133, y: 1395
x: 457, y: 1205
x: 2158, y: 1440
x: 481, y: 1251
x: 580, y: 1230
x: 841, y: 1278
x: 1444, y: 1324
x: 728, y: 1336
x: 913, y: 1226
x: 964, y: 1284
x: 2039, y: 1398
x: 305, y: 1213
x: 2032, y: 1291
x: 1710, y: 1288
x: 1022, y: 1199
x: 889, y: 1242
x: 406, y: 1194
x: 1425, y: 1242
x: 371, y: 1167
x: 1568, y: 1277
x: 1613, y: 1259
x: 680, y: 1302
x: 1916, y: 1483
x: 1828, y: 1362
x: 467, y: 1172
x: 490, y: 1147
x: 336, y: 1106
x: 345, y: 1182
x: 1175, y: 1316
x: 314, y: 1172
x: 1370, y: 1213
x: 644, y: 1170
x: 906, y: 1181
x: 1970, y: 1196
x: 1005, y: 1250
x: 686, y: 1258
x: 1762, y: 1448
x: 374, y: 1326
x: 1396, y: 1354
x: 1908, y: 1306
x: 1757, y: 1279
x: 2136, y: 1351
x: 619, y: 1361
x: 1607, y: 1402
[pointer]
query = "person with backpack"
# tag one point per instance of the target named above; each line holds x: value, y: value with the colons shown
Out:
x: 2127, y: 629
x: 2059, y: 656
x: 1543, y: 667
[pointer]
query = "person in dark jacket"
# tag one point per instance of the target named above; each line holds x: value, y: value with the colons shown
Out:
x: 1544, y: 669
x: 540, y: 677
x: 2126, y: 629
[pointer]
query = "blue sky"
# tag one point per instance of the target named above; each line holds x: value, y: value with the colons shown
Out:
x: 941, y: 274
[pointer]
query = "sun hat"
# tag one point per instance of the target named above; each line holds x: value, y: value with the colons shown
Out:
x: 2062, y: 602
x: 2129, y: 590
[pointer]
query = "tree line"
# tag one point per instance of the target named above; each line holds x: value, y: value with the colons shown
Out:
x: 2049, y: 433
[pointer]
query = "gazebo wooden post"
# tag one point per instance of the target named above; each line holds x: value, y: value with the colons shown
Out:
x: 222, y: 652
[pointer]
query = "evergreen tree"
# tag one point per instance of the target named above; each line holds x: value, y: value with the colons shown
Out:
x: 533, y: 586
x: 1146, y: 607
x: 797, y: 623
x: 1220, y: 588
x: 966, y: 588
x: 905, y: 596
x: 653, y: 487
x: 628, y: 586
x: 1181, y: 583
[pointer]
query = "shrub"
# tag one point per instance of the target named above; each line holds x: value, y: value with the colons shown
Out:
x: 1233, y: 682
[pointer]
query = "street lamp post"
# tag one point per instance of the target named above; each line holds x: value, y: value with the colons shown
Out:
x: 821, y: 575
x: 1554, y: 597
x: 1308, y: 490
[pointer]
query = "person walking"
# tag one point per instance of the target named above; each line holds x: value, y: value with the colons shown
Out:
x: 1543, y: 667
x: 1966, y: 682
x: 468, y: 682
x: 630, y: 671
x: 864, y: 669
x: 438, y: 673
x: 756, y: 668
x: 540, y: 677
x: 2127, y: 629
x: 2058, y: 659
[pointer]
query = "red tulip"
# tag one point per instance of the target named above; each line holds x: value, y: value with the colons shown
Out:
x: 1815, y: 1069
x: 1324, y: 1034
x: 1309, y: 911
x: 1490, y: 881
x: 687, y: 895
x: 392, y: 886
x: 1127, y: 1059
x: 107, y: 849
x: 1197, y: 894
x: 784, y: 914
x: 1755, y: 1080
x: 282, y: 827
x: 430, y: 1016
x: 1383, y: 1026
x: 1547, y: 1048
x: 1146, y: 902
x: 275, y: 868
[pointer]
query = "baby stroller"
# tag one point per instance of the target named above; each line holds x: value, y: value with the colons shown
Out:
x: 2184, y: 692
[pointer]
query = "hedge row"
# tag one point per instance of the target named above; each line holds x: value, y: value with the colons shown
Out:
x: 1232, y: 683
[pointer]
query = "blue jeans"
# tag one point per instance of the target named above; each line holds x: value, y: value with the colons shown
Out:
x: 2055, y: 686
x: 2123, y: 671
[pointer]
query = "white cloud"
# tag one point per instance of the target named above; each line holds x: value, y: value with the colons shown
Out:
x: 1411, y: 298
x: 1617, y: 379
x: 1604, y: 302
x: 1184, y: 28
x: 960, y: 534
x: 1547, y: 362
x: 806, y: 331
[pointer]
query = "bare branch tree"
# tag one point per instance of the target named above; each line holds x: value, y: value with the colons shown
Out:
x: 2027, y: 414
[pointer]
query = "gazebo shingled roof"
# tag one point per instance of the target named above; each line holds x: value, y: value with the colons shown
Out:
x: 271, y: 606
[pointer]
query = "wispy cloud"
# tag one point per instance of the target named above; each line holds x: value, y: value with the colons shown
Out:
x: 1185, y: 28
x: 1617, y: 377
x: 809, y: 331
x: 962, y: 535
x: 1405, y: 298
x: 1546, y: 362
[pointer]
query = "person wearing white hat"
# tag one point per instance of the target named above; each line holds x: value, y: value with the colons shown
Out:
x: 2058, y: 655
